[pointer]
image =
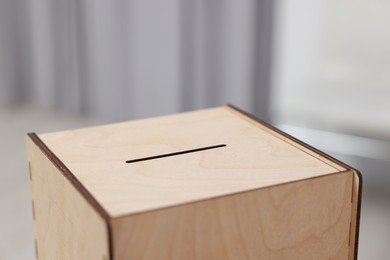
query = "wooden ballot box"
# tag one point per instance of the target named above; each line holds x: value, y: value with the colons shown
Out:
x: 209, y: 184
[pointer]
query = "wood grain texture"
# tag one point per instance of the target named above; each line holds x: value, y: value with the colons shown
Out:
x: 66, y: 225
x: 301, y: 220
x: 253, y: 158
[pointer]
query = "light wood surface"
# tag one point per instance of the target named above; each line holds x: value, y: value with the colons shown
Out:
x: 66, y: 225
x: 253, y: 158
x: 301, y: 220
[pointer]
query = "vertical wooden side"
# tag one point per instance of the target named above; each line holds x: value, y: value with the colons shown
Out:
x: 309, y: 219
x: 355, y: 214
x: 66, y: 226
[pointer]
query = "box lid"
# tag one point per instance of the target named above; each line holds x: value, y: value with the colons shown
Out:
x: 154, y: 163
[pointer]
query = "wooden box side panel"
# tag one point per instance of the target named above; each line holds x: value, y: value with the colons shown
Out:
x: 66, y: 226
x: 308, y: 219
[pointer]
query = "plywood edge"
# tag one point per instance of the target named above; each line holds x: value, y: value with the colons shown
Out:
x: 29, y: 155
x: 355, y: 213
x: 289, y: 139
x: 68, y: 174
x: 33, y: 139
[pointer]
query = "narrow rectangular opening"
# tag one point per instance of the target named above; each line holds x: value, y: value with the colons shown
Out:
x: 175, y: 153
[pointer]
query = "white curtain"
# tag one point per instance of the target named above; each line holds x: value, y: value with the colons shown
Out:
x: 133, y: 58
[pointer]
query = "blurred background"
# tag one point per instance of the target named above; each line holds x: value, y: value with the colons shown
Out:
x: 317, y: 69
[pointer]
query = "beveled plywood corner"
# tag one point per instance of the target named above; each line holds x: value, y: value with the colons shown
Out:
x: 218, y: 183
